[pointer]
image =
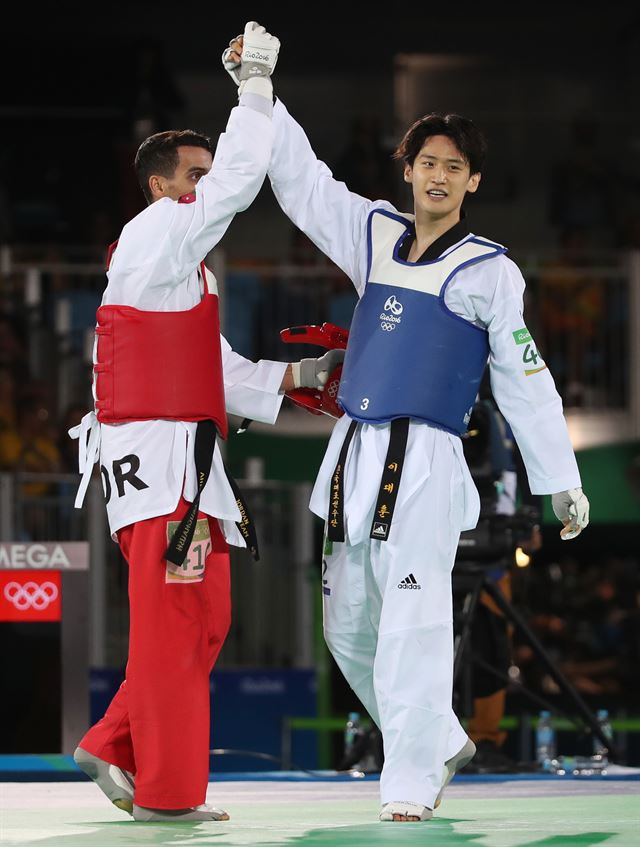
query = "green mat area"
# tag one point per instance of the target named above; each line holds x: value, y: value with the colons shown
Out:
x: 55, y: 818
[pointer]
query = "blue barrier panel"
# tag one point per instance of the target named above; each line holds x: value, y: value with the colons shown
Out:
x: 248, y: 707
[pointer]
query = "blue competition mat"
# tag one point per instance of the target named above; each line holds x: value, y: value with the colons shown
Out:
x: 57, y: 768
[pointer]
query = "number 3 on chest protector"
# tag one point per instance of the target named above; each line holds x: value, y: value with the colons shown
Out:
x: 365, y: 403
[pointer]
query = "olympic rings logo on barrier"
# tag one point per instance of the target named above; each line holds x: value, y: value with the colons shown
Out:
x: 31, y: 595
x: 387, y: 327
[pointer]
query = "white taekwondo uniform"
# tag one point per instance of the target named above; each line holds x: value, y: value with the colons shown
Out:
x: 395, y: 646
x: 155, y: 268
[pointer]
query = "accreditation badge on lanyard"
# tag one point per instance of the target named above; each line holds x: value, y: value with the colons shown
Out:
x: 192, y: 568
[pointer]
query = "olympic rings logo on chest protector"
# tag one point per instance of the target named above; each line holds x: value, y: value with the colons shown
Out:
x: 31, y: 595
x: 387, y: 327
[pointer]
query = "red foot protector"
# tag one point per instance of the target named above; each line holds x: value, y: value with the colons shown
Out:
x: 332, y: 337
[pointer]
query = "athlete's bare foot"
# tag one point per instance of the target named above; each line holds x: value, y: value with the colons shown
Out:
x: 405, y: 811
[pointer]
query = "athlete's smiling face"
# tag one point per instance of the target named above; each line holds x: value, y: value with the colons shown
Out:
x: 193, y: 164
x: 440, y: 177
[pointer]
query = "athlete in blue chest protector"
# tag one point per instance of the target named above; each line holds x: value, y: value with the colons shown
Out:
x: 436, y: 304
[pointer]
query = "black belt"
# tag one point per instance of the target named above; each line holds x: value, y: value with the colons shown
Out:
x: 389, y: 484
x: 246, y: 524
x: 183, y: 536
x: 335, y: 523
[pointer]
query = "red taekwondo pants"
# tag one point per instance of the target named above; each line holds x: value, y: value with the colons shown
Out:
x: 157, y: 725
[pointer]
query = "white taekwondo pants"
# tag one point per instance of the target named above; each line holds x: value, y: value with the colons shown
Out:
x: 388, y: 622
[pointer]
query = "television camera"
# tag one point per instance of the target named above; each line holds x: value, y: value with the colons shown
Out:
x: 505, y: 521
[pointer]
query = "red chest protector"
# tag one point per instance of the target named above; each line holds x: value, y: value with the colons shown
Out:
x: 160, y: 365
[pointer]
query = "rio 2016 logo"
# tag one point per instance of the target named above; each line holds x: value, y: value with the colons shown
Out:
x: 392, y: 305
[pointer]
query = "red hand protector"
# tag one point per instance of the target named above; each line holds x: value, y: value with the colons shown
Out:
x: 332, y: 337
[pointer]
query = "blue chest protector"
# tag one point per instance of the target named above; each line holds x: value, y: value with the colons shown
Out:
x: 408, y: 354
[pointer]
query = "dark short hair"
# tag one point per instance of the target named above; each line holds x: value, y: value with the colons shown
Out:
x: 469, y: 140
x: 158, y: 154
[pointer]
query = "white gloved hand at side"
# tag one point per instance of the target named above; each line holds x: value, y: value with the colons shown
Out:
x: 314, y: 373
x: 572, y: 509
x: 259, y: 56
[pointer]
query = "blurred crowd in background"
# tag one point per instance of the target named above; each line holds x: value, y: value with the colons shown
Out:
x: 587, y: 615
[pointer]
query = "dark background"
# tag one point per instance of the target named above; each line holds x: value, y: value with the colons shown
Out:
x: 79, y: 81
x: 76, y: 76
x: 79, y: 46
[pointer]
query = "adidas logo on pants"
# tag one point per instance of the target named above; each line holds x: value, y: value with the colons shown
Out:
x: 409, y: 582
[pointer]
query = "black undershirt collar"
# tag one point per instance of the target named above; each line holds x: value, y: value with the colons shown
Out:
x: 435, y: 250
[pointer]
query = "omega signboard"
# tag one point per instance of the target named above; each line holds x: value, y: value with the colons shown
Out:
x: 60, y: 556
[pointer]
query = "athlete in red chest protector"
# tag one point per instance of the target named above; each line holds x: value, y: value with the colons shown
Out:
x: 164, y: 381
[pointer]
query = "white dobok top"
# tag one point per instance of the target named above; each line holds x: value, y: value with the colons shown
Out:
x: 155, y: 267
x: 489, y: 295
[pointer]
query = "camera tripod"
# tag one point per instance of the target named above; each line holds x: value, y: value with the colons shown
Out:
x: 472, y: 579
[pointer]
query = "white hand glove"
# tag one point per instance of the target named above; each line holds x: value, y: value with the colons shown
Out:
x: 259, y: 52
x: 259, y: 57
x: 572, y: 508
x: 314, y: 373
